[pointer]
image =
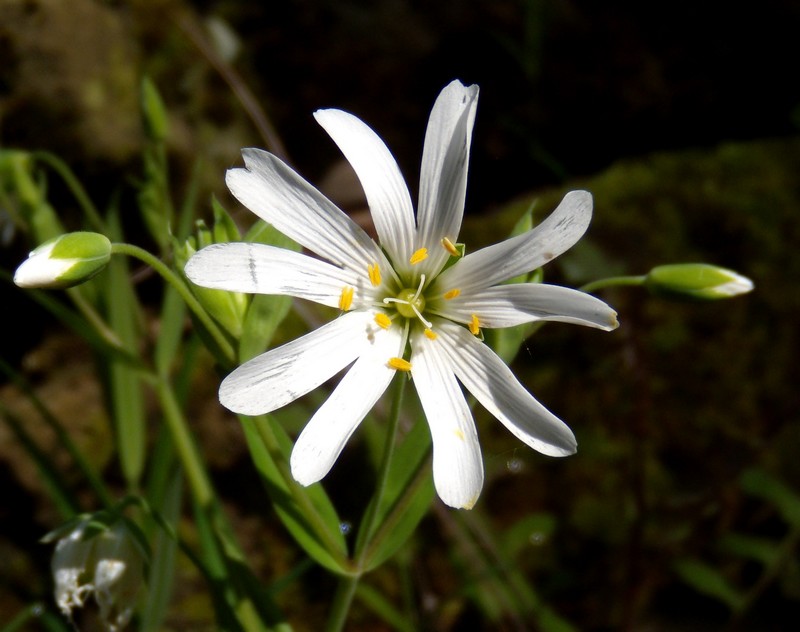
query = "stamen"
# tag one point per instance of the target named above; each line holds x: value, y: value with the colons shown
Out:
x: 449, y: 247
x: 475, y: 325
x: 451, y: 294
x: 427, y: 323
x: 430, y: 334
x: 382, y: 320
x: 346, y: 298
x: 399, y: 364
x: 374, y: 274
x: 419, y: 255
x: 419, y: 289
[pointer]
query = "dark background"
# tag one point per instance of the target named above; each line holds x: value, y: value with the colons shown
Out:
x: 681, y: 118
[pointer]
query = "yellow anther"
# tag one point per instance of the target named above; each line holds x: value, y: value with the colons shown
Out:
x: 430, y: 334
x: 459, y: 433
x: 346, y: 298
x: 419, y: 255
x: 382, y: 320
x: 450, y: 247
x: 374, y: 274
x: 450, y: 294
x: 399, y: 364
x: 475, y: 325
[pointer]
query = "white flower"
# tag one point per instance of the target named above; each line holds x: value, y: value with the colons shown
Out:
x: 397, y: 293
x: 107, y: 564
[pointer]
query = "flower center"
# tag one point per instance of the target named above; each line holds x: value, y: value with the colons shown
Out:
x: 409, y: 303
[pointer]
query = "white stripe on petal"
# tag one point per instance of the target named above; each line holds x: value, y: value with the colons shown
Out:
x: 262, y: 269
x: 280, y: 197
x: 517, y: 303
x: 326, y: 434
x: 523, y: 253
x: 443, y: 176
x: 457, y: 462
x: 380, y: 177
x: 283, y: 374
x: 493, y: 384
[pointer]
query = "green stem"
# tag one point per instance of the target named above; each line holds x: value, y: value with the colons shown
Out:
x: 184, y: 444
x: 75, y: 187
x: 342, y: 599
x: 192, y: 303
x: 346, y: 590
x: 613, y: 282
x: 368, y: 524
x: 384, y: 530
x: 94, y: 319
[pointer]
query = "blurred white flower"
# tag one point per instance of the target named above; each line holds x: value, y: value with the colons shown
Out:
x: 104, y: 562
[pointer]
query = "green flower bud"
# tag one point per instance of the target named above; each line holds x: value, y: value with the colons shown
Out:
x: 698, y: 281
x: 64, y: 261
x: 106, y: 561
x: 225, y: 229
x: 24, y: 191
x: 227, y: 308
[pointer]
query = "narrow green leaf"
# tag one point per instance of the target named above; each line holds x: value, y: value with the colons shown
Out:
x: 381, y: 606
x: 76, y: 322
x: 92, y: 477
x: 37, y: 615
x: 222, y: 591
x: 165, y: 548
x: 59, y: 495
x: 170, y: 335
x: 125, y: 392
x: 759, y: 483
x: 550, y: 621
x: 264, y: 316
x: 709, y: 581
x: 760, y: 549
x: 307, y: 512
x: 532, y: 530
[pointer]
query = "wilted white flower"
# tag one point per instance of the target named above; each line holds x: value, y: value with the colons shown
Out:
x: 106, y: 563
x: 403, y: 308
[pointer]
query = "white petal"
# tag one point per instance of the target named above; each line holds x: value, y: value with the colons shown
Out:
x: 457, y: 462
x: 443, y: 176
x: 262, y: 269
x: 493, y: 384
x: 383, y: 184
x: 517, y: 303
x: 283, y: 374
x: 280, y: 197
x: 325, y: 435
x: 523, y: 253
x: 42, y: 272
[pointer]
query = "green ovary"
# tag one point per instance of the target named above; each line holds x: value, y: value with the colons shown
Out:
x: 406, y: 300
